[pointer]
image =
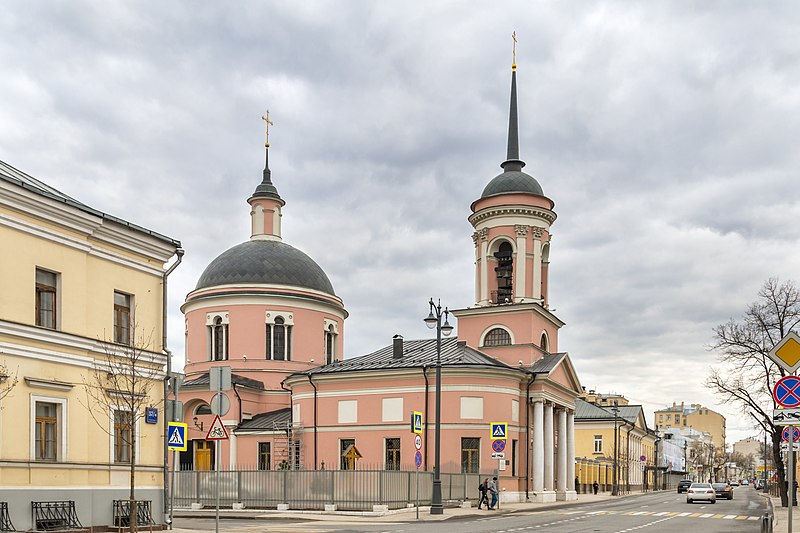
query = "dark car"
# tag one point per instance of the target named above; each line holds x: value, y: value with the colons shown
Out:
x: 683, y: 485
x: 723, y: 490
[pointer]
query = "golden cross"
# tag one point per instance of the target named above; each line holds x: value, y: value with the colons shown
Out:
x: 266, y: 119
x: 514, y: 63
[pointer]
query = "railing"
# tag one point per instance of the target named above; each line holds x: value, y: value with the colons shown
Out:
x: 122, y: 513
x: 5, y: 519
x: 352, y: 490
x: 52, y: 516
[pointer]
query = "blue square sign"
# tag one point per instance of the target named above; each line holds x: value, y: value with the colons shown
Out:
x: 151, y: 415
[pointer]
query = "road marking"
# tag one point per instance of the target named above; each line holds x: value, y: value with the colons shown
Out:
x: 707, y: 515
x: 662, y: 513
x: 754, y: 518
x: 731, y: 516
x: 694, y: 515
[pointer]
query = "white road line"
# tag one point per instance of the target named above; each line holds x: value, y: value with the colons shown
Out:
x: 707, y: 515
x: 662, y: 513
x: 732, y: 516
x: 683, y: 514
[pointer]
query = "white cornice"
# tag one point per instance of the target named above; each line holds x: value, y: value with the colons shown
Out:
x: 39, y: 206
x: 502, y: 309
x: 324, y: 303
x: 47, y: 384
x: 513, y: 210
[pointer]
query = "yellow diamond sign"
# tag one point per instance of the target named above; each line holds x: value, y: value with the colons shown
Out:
x: 786, y: 353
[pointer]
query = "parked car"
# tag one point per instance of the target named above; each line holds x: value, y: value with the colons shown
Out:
x: 723, y: 490
x: 759, y: 484
x: 701, y: 491
x: 736, y: 483
x: 683, y: 485
x: 745, y: 482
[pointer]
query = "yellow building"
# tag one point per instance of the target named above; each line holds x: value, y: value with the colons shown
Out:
x: 595, y: 427
x: 696, y: 417
x: 78, y: 288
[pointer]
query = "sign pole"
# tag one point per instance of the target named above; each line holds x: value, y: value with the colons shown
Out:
x: 217, y: 455
x: 417, y: 492
x: 791, y: 477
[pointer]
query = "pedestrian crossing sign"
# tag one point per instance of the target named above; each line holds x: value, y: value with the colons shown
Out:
x: 499, y: 430
x: 416, y: 422
x: 176, y: 436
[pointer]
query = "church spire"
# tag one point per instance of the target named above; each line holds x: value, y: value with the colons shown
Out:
x: 266, y: 189
x: 513, y: 162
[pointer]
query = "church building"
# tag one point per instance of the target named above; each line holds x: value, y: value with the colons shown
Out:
x: 269, y: 312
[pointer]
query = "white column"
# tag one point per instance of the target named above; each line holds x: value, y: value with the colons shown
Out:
x: 562, y: 450
x: 571, y: 450
x: 519, y: 267
x: 537, y: 263
x: 484, y: 235
x: 478, y: 261
x: 538, y: 447
x: 548, y: 447
x: 232, y: 443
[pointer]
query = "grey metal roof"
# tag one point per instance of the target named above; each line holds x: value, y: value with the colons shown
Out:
x: 268, y: 262
x: 546, y: 364
x: 511, y: 182
x: 12, y: 175
x: 416, y: 354
x: 205, y: 381
x: 589, y: 411
x: 262, y: 421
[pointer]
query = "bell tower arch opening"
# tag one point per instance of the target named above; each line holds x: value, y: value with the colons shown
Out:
x: 504, y: 273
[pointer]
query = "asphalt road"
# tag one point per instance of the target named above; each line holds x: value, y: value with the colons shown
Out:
x: 656, y: 512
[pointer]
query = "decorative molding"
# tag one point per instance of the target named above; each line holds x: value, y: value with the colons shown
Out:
x: 521, y: 230
x: 48, y: 384
x: 537, y: 232
x: 475, y: 237
x: 511, y: 210
x: 484, y: 233
x: 211, y: 317
x: 288, y: 317
x: 327, y: 322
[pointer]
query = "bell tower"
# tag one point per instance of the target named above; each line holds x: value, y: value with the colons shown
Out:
x: 511, y: 319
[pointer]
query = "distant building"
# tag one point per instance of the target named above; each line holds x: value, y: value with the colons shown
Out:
x: 77, y: 285
x: 749, y: 446
x: 695, y: 416
x: 603, y: 400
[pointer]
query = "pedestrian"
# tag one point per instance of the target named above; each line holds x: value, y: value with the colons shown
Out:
x: 492, y: 486
x: 595, y: 486
x: 483, y: 488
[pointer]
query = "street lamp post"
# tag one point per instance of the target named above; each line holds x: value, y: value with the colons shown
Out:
x: 615, y: 487
x: 434, y: 320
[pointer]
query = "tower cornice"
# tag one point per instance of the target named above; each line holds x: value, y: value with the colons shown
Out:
x: 512, y: 210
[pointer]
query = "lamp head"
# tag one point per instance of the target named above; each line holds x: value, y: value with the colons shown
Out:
x: 430, y: 320
x: 447, y: 329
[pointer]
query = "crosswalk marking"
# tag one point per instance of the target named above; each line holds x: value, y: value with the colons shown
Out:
x: 730, y: 516
x: 707, y: 515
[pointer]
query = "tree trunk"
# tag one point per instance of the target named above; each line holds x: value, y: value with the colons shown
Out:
x: 134, y: 518
x: 778, y: 460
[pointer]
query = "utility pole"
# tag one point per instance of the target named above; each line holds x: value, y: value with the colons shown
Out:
x: 614, y: 486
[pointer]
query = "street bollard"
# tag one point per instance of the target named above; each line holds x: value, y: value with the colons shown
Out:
x: 766, y: 523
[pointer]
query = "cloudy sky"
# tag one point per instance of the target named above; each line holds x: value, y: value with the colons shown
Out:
x: 666, y: 134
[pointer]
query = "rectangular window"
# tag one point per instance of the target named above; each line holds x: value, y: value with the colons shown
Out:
x: 264, y: 459
x: 514, y: 457
x: 296, y: 454
x: 598, y: 444
x: 346, y: 463
x: 122, y: 318
x: 677, y: 419
x: 123, y: 436
x: 470, y: 455
x: 46, y: 286
x: 46, y: 432
x: 668, y: 418
x: 393, y: 454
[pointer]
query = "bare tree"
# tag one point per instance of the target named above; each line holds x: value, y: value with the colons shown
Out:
x: 7, y: 381
x: 746, y: 375
x: 118, y: 392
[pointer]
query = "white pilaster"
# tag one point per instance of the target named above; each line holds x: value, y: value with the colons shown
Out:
x: 232, y: 442
x: 484, y: 234
x: 519, y: 267
x: 548, y: 447
x: 571, y: 494
x: 538, y: 447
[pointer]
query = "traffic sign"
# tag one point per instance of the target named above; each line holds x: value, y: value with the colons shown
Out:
x: 498, y: 445
x: 498, y: 430
x: 418, y: 459
x: 787, y: 391
x: 416, y: 422
x: 642, y: 458
x: 418, y: 441
x: 151, y: 415
x: 176, y: 436
x: 795, y: 434
x: 785, y: 446
x: 786, y: 353
x: 217, y: 431
x: 786, y: 417
x: 498, y: 455
x: 220, y: 404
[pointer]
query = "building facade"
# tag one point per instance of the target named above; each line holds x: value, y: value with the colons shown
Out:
x: 694, y: 416
x: 79, y: 288
x: 268, y: 312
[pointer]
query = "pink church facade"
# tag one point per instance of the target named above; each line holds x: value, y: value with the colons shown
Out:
x: 269, y: 312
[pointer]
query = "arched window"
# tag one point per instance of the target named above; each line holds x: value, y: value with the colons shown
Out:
x: 330, y: 345
x: 543, y: 344
x: 279, y: 340
x: 203, y: 409
x: 219, y: 340
x: 505, y: 273
x: 497, y: 337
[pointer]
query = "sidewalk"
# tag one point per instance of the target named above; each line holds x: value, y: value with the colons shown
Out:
x: 393, y: 515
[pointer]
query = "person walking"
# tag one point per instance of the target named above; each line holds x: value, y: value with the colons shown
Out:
x: 492, y: 486
x: 595, y: 486
x: 483, y: 488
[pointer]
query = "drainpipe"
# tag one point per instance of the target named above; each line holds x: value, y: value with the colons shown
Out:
x: 179, y: 253
x: 315, y: 419
x: 528, y: 434
x: 239, y: 400
x: 425, y: 375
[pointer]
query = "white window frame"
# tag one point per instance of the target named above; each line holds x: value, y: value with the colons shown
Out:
x: 598, y: 439
x: 326, y: 328
x: 288, y: 324
x: 62, y: 420
x: 211, y: 318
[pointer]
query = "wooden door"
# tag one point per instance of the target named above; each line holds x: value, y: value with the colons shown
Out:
x: 202, y: 454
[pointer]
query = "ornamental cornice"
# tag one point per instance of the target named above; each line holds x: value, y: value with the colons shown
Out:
x: 475, y: 236
x: 516, y: 210
x: 537, y: 232
x: 521, y: 230
x: 484, y: 233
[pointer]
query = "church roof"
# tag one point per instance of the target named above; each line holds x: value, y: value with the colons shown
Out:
x: 416, y: 354
x: 280, y: 418
x: 547, y: 363
x: 205, y: 381
x: 265, y: 262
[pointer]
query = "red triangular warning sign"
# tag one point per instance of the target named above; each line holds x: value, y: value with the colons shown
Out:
x: 217, y: 430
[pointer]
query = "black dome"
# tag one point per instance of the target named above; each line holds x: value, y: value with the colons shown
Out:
x: 511, y: 182
x: 263, y: 261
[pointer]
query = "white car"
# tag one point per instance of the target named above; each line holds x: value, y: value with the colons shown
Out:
x: 701, y: 491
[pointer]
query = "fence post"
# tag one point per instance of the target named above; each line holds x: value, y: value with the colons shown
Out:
x: 239, y: 486
x: 197, y: 486
x: 408, y: 481
x: 333, y: 488
x: 285, y: 486
x: 380, y: 488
